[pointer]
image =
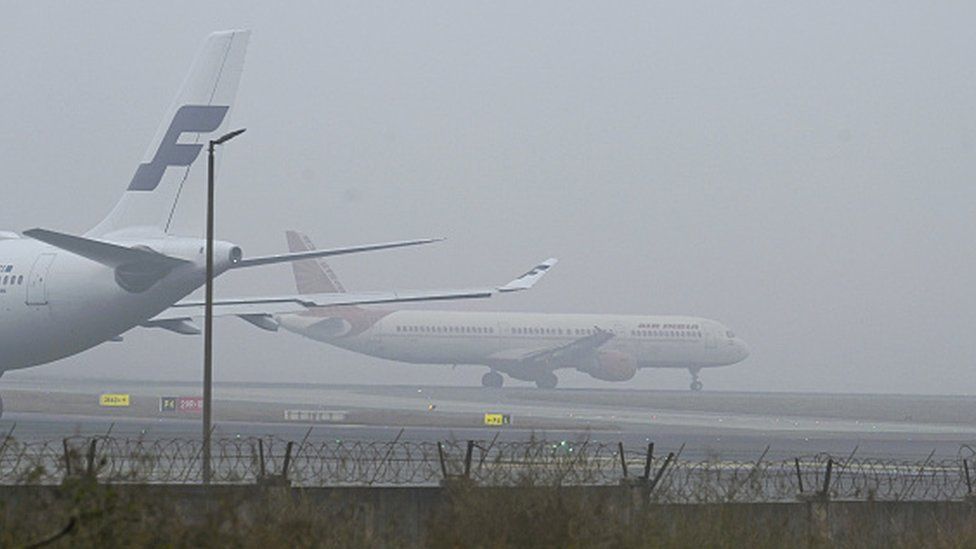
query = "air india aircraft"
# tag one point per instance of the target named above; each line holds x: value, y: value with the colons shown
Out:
x: 524, y: 346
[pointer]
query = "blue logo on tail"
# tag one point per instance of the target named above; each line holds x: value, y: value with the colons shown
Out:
x: 188, y: 119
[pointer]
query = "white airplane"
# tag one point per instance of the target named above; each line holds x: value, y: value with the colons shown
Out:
x: 61, y: 294
x: 524, y: 346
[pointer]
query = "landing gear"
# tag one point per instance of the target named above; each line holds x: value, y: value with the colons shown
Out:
x: 547, y: 381
x: 696, y: 384
x: 492, y: 379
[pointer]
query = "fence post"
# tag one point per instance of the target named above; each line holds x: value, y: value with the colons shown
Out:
x: 969, y: 481
x: 821, y: 495
x: 67, y: 458
x: 648, y: 459
x: 660, y: 473
x: 467, y: 460
x: 7, y: 438
x: 623, y: 459
x: 90, y: 461
x: 825, y: 492
x: 818, y: 507
x: 440, y: 456
x: 799, y: 477
x: 969, y: 497
x: 284, y: 468
x: 274, y: 480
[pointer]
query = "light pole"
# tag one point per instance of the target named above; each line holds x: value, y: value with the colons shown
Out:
x: 208, y: 308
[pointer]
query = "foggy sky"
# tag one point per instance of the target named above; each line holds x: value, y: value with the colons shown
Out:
x: 802, y: 173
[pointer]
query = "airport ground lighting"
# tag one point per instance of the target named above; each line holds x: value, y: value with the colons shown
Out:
x: 208, y: 307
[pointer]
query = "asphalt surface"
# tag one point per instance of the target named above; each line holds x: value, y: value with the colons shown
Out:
x: 707, y: 424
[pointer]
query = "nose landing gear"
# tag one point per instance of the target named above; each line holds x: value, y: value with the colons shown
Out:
x: 696, y: 384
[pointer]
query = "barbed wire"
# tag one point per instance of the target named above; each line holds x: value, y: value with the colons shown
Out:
x: 489, y: 463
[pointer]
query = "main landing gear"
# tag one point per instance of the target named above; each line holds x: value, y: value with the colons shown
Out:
x: 492, y: 379
x: 547, y: 381
x: 696, y: 384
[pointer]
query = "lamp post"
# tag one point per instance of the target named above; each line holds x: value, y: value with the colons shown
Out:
x: 208, y: 308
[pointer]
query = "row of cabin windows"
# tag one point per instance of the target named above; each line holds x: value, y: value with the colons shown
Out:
x: 539, y: 331
x: 445, y: 329
x: 666, y: 333
x: 10, y: 280
x: 553, y: 331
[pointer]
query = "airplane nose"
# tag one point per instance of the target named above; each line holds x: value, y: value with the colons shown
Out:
x: 742, y: 350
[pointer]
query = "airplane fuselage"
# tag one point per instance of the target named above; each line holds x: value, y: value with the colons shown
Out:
x: 496, y: 339
x: 54, y: 303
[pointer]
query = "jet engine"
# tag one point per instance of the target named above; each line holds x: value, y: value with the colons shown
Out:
x: 331, y: 327
x: 142, y: 273
x: 612, y: 366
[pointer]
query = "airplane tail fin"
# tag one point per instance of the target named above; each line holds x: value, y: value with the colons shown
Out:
x: 312, y: 276
x: 199, y: 112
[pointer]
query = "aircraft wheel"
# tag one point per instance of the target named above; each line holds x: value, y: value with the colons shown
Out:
x: 492, y: 379
x: 696, y: 385
x: 547, y: 381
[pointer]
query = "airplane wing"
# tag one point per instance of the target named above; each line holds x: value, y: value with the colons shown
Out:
x: 574, y: 350
x: 312, y: 254
x: 259, y: 310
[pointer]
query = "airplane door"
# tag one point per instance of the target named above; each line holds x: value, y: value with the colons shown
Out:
x: 620, y: 330
x: 37, y: 281
x: 709, y: 340
x: 375, y: 340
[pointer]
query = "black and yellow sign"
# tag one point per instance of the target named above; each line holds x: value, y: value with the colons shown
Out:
x: 167, y: 404
x: 114, y: 400
x: 498, y: 419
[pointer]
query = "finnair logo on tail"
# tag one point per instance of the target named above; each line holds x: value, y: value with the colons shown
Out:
x: 538, y: 269
x: 188, y: 119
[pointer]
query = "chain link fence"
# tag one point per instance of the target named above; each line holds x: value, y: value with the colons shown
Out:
x: 666, y: 478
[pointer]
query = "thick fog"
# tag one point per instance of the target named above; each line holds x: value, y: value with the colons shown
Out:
x: 804, y: 174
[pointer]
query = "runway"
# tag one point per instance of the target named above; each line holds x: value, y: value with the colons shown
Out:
x: 702, y: 425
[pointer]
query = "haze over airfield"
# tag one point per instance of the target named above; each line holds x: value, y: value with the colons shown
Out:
x: 803, y: 174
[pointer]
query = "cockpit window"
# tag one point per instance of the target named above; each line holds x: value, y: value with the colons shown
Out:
x: 729, y: 334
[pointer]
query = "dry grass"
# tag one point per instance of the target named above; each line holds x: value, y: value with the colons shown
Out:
x: 461, y: 515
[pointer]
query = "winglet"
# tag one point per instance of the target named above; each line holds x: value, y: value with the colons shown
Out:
x: 529, y: 279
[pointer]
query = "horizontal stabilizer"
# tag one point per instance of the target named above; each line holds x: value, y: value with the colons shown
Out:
x: 111, y: 255
x: 285, y: 258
